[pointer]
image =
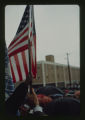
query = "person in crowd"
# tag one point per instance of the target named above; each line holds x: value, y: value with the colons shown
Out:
x: 63, y: 106
x: 15, y: 98
x: 18, y: 97
x: 44, y: 100
x: 59, y: 106
x: 77, y: 94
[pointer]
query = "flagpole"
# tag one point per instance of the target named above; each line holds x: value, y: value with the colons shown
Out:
x: 29, y: 55
x: 30, y: 69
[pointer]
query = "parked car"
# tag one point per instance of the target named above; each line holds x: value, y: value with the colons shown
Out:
x: 55, y: 96
x: 49, y: 90
x: 66, y: 91
x: 70, y: 93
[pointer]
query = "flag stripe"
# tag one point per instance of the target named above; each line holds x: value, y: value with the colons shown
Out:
x: 21, y: 41
x: 14, y: 68
x: 24, y: 62
x: 18, y: 67
x: 27, y: 59
x: 25, y: 34
x: 19, y: 47
x: 30, y: 33
x: 18, y: 50
x: 21, y: 66
x: 33, y: 48
x: 26, y: 30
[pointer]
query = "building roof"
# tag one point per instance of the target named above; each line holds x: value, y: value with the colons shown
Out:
x: 53, y: 63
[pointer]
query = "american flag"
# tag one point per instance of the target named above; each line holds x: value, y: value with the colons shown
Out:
x: 19, y: 47
x: 9, y: 85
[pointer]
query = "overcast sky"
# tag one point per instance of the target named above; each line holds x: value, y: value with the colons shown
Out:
x: 57, y: 30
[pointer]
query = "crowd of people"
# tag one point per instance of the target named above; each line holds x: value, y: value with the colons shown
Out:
x: 20, y: 97
x: 20, y: 102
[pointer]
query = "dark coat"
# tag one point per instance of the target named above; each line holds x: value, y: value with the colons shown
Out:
x: 63, y: 106
x: 16, y: 99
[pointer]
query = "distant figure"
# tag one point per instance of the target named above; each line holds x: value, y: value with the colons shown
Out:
x: 63, y: 106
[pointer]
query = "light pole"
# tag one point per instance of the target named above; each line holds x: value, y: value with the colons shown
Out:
x: 69, y: 69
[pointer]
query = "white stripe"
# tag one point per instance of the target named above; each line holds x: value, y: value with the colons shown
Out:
x: 27, y: 59
x: 21, y: 31
x: 21, y: 66
x: 19, y: 46
x: 14, y: 68
x: 18, y: 40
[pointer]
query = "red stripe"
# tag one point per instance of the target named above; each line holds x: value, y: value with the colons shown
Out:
x: 18, y: 37
x: 18, y: 67
x: 22, y: 40
x: 31, y: 24
x: 24, y: 62
x: 30, y: 33
x: 34, y: 41
x: 13, y: 75
x: 19, y: 50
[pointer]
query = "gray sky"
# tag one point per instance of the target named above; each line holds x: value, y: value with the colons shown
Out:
x: 57, y: 30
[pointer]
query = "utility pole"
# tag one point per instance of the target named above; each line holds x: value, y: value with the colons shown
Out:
x: 69, y: 69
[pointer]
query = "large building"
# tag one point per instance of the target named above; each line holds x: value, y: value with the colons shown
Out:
x: 51, y: 73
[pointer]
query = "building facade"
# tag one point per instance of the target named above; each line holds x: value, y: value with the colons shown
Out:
x: 51, y: 73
